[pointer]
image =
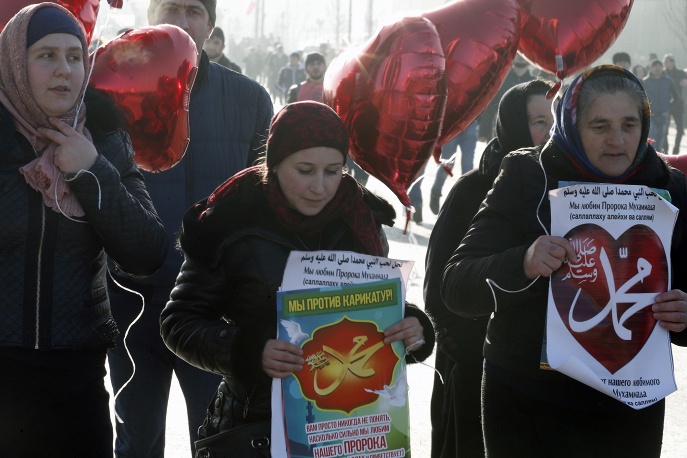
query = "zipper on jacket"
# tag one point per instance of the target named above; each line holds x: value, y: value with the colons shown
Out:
x: 38, y: 276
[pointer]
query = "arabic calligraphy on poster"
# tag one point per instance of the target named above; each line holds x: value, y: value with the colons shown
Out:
x: 600, y: 327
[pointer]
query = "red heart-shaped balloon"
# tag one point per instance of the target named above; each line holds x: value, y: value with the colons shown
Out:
x: 149, y: 72
x: 564, y: 36
x: 604, y: 297
x: 479, y: 39
x: 416, y: 75
x: 391, y: 94
x: 85, y: 10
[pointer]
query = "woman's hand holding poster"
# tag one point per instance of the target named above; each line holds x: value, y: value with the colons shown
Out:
x: 600, y: 325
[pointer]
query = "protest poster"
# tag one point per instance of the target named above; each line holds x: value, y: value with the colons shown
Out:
x: 600, y: 326
x: 316, y: 273
x: 350, y: 398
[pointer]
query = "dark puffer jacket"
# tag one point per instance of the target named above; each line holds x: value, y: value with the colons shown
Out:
x: 53, y: 269
x: 223, y: 308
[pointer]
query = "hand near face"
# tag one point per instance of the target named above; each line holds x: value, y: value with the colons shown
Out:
x: 280, y: 358
x: 670, y: 310
x: 546, y: 255
x: 75, y: 152
x: 409, y: 330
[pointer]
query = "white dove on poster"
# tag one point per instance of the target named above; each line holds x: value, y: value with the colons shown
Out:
x: 293, y: 329
x: 396, y: 394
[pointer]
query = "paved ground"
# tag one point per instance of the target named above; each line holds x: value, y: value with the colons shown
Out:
x: 413, y: 247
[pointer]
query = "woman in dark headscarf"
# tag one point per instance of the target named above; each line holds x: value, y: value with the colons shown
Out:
x: 222, y: 314
x: 600, y: 135
x: 523, y: 119
x: 72, y: 196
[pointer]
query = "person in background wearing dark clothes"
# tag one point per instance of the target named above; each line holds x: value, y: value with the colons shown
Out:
x: 600, y: 134
x: 311, y: 88
x: 662, y: 94
x: 677, y: 107
x: 222, y: 313
x: 229, y: 115
x: 622, y: 59
x: 639, y: 71
x: 524, y: 119
x: 467, y: 140
x: 519, y: 73
x: 72, y: 195
x: 214, y: 46
x: 290, y: 74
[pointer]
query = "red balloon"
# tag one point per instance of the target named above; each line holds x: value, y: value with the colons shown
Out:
x: 480, y: 39
x: 419, y: 82
x: 85, y: 10
x: 565, y: 36
x: 391, y: 95
x: 678, y: 161
x: 149, y: 73
x: 9, y: 8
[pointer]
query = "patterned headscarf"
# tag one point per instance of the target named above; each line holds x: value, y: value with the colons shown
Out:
x: 303, y: 125
x: 566, y: 132
x: 15, y: 95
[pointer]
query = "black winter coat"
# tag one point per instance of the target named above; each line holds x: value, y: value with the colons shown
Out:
x: 53, y: 269
x: 222, y: 310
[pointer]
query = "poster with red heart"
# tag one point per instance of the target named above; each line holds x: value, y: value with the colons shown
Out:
x: 600, y: 327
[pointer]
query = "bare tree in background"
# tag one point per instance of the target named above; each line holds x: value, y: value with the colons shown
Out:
x: 675, y: 13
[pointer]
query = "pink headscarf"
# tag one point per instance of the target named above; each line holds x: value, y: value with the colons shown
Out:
x: 15, y: 95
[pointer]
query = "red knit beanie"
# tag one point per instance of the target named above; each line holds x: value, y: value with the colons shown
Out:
x: 303, y: 125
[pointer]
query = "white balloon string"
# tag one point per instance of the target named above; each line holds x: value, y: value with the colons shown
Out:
x: 491, y: 283
x: 126, y: 347
x: 100, y: 193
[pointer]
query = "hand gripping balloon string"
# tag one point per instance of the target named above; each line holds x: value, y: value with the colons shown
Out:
x: 90, y: 70
x: 491, y: 283
x: 126, y: 334
x: 80, y: 172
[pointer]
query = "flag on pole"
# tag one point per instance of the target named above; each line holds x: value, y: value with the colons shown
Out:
x: 250, y: 6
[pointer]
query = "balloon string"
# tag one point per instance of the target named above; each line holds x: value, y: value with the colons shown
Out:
x: 409, y: 353
x: 126, y: 335
x: 491, y: 283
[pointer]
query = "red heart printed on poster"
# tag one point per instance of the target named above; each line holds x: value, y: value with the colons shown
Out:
x: 604, y: 297
x: 343, y: 360
x: 565, y: 36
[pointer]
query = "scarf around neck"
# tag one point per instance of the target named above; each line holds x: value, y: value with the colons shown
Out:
x: 15, y: 95
x: 348, y: 205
